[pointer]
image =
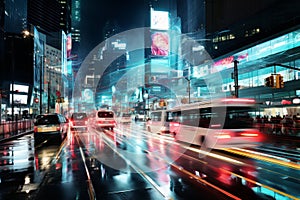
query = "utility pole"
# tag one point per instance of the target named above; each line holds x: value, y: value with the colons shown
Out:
x: 41, y: 83
x: 189, y: 88
x: 12, y: 93
x: 236, y: 80
x: 49, y: 88
x: 188, y: 78
x: 49, y: 96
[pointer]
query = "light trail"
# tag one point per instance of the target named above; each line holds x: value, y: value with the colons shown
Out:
x: 264, y: 157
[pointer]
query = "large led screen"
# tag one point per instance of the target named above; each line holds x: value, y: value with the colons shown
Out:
x: 20, y: 88
x: 159, y: 20
x: 64, y: 54
x: 159, y: 44
x: 19, y: 99
x: 69, y: 45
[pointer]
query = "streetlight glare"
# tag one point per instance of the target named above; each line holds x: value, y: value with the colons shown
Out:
x: 26, y: 33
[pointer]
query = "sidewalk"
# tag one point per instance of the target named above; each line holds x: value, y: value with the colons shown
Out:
x: 10, y: 136
x: 13, y: 129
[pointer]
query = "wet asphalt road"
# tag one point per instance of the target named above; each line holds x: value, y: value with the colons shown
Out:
x: 75, y: 171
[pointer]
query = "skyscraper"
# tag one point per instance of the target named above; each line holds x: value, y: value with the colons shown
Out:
x: 19, y: 57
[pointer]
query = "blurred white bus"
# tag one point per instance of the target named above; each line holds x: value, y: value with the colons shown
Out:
x: 215, y: 124
x: 159, y: 122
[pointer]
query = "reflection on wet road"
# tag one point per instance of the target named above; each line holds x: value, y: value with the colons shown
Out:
x: 232, y: 172
x: 132, y: 163
x: 23, y: 166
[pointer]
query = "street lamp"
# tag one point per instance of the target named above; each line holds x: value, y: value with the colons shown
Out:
x: 146, y: 96
x: 40, y: 64
x: 49, y: 88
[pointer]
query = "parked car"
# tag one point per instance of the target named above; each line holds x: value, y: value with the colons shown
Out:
x: 79, y: 121
x: 50, y: 126
x: 105, y: 119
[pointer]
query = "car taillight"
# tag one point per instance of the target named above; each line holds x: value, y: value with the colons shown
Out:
x: 249, y: 134
x: 223, y: 135
x: 35, y: 129
x: 58, y: 128
x: 174, y: 124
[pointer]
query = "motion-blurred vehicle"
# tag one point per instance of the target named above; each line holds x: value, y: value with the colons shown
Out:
x: 105, y: 119
x: 140, y: 117
x: 158, y: 122
x: 124, y: 118
x: 79, y: 121
x: 219, y: 123
x: 50, y: 126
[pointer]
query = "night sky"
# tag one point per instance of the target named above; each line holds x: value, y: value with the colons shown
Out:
x: 130, y: 14
x: 95, y: 13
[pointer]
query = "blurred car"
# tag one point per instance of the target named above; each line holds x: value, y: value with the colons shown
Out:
x: 105, y: 119
x: 139, y: 117
x: 50, y: 126
x: 79, y: 121
x: 124, y: 118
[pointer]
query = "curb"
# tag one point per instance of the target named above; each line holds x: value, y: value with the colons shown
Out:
x: 15, y: 136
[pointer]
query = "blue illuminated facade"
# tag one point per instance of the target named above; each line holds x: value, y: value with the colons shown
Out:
x: 255, y: 64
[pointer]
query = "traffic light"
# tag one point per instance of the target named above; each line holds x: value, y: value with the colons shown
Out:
x: 269, y: 81
x: 162, y: 103
x: 36, y: 100
x: 279, y: 81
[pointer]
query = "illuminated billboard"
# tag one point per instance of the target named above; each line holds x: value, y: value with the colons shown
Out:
x: 69, y: 45
x: 118, y: 45
x: 159, y: 44
x: 20, y: 95
x: 19, y: 99
x: 20, y: 88
x: 64, y: 69
x: 159, y: 20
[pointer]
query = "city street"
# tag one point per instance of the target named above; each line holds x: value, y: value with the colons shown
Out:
x: 133, y: 163
x: 149, y: 99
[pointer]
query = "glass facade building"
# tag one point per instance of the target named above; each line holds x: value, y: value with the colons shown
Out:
x: 274, y: 56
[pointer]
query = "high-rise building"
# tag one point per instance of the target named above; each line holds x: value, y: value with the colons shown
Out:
x: 76, y: 19
x: 50, y: 16
x: 45, y: 15
x: 65, y: 15
x: 23, y: 55
x: 227, y: 26
x: 75, y: 34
